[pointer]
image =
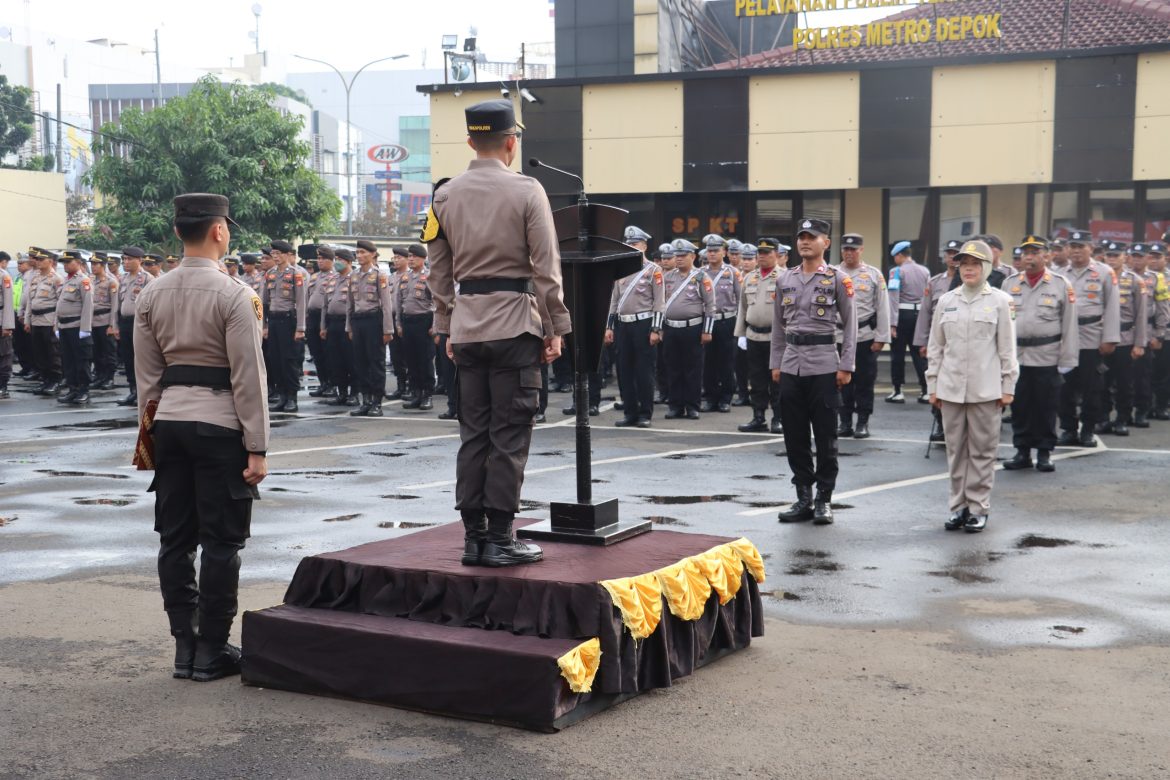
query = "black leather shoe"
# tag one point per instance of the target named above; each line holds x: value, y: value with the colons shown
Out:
x: 320, y: 392
x: 626, y: 422
x: 674, y: 414
x: 643, y: 422
x: 1140, y: 420
x: 801, y: 509
x: 1068, y: 439
x: 453, y: 416
x: 275, y: 401
x: 215, y: 663
x: 776, y: 427
x: 362, y: 410
x: 723, y: 408
x: 1103, y: 427
x: 923, y: 398
x: 353, y: 400
x: 474, y: 536
x: 569, y: 410
x: 741, y: 400
x: 130, y: 400
x: 538, y: 418
x: 1160, y: 414
x: 375, y: 409
x: 845, y: 427
x: 426, y: 404
x: 183, y: 630
x: 501, y: 548
x: 67, y: 398
x: 81, y: 399
x: 1086, y: 438
x: 692, y: 414
x: 105, y: 384
x: 707, y: 406
x: 594, y: 411
x: 862, y: 429
x: 823, y: 509
x: 975, y: 523
x: 1044, y: 461
x: 756, y: 425
x: 619, y: 406
x: 1121, y: 428
x: 289, y: 405
x: 413, y: 403
x: 1021, y: 460
x: 957, y: 520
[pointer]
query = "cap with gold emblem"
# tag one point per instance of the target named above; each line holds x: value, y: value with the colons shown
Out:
x: 491, y: 116
x: 977, y: 249
x: 1035, y: 241
x: 75, y: 254
x: 817, y: 227
x: 198, y: 206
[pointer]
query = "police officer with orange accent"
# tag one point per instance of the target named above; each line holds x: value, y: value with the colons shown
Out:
x: 414, y: 315
x: 75, y: 328
x: 753, y: 326
x: 370, y: 325
x: 636, y: 310
x: 872, y: 307
x: 1134, y: 332
x: 689, y: 319
x: 810, y: 299
x: 285, y: 298
x: 719, y: 354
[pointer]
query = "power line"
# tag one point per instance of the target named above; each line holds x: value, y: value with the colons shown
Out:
x: 52, y: 118
x: 30, y: 195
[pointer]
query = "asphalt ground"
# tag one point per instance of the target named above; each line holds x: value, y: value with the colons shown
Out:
x: 894, y: 648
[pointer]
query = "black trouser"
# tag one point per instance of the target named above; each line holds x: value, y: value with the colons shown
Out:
x: 200, y: 499
x: 1118, y: 395
x: 338, y: 351
x: 1160, y: 377
x: 562, y: 369
x: 46, y: 352
x: 719, y: 363
x: 1143, y: 391
x: 1084, y: 386
x: 397, y: 364
x: 22, y: 346
x: 6, y: 352
x: 369, y: 353
x: 765, y: 393
x: 857, y: 396
x: 661, y: 383
x: 635, y: 357
x: 683, y: 352
x: 907, y: 320
x: 76, y: 355
x: 317, y: 346
x: 105, y: 353
x: 270, y: 367
x: 419, y: 352
x: 499, y: 388
x: 810, y: 402
x: 447, y: 375
x: 1033, y: 410
x: 741, y: 372
x: 288, y: 354
x: 126, y: 350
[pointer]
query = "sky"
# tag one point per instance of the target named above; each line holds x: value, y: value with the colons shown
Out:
x: 347, y: 33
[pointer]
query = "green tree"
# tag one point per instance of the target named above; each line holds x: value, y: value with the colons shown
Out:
x: 222, y: 138
x: 16, y: 117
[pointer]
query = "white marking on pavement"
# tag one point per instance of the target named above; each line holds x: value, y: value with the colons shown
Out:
x: 360, y: 445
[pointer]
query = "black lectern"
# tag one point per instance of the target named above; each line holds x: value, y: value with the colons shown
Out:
x: 593, y: 257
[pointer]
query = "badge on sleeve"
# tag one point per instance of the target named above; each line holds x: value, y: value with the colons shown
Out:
x: 85, y: 284
x: 707, y: 283
x: 256, y: 307
x: 7, y: 282
x: 848, y: 283
x: 657, y: 277
x: 1072, y: 296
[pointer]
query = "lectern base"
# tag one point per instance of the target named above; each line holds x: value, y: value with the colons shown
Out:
x: 594, y: 523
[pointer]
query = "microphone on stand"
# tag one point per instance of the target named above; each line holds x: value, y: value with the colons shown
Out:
x: 535, y: 163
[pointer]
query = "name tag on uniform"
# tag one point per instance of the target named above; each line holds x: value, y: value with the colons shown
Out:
x: 951, y: 308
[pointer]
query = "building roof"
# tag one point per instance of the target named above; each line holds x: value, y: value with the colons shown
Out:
x: 1029, y: 26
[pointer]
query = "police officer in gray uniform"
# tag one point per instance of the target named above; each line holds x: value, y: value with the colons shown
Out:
x: 872, y: 305
x: 1134, y: 332
x: 907, y: 286
x: 689, y: 320
x: 757, y: 306
x: 809, y: 301
x: 635, y: 325
x: 75, y: 328
x: 719, y: 354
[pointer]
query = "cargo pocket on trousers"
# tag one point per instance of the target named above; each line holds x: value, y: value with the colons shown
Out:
x: 527, y: 400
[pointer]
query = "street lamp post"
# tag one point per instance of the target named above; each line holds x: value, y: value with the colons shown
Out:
x: 348, y: 143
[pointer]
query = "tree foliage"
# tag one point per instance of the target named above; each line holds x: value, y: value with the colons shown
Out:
x: 221, y: 138
x: 16, y: 117
x: 286, y: 91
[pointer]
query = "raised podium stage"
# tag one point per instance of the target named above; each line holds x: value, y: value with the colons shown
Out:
x: 402, y: 622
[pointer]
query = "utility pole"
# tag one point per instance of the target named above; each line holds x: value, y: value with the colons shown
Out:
x: 157, y: 70
x: 60, y: 166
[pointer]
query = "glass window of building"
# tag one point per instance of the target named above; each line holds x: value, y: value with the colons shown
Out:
x: 725, y: 217
x: 641, y: 208
x: 960, y: 215
x: 1112, y: 213
x: 774, y: 219
x: 1157, y: 212
x: 1054, y: 211
x: 907, y: 220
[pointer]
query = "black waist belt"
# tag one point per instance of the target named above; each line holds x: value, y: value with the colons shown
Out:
x: 1127, y: 326
x: 335, y: 318
x: 366, y: 315
x: 125, y: 317
x: 44, y: 311
x: 70, y: 320
x: 1038, y: 341
x: 282, y: 315
x: 215, y: 377
x: 417, y: 316
x: 754, y: 329
x: 484, y: 286
x: 1088, y: 320
x: 869, y: 322
x: 98, y: 312
x: 809, y: 339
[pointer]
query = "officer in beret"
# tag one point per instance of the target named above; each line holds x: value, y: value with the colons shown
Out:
x: 1047, y: 345
x: 719, y: 354
x: 75, y: 327
x: 805, y: 361
x: 1134, y: 336
x: 872, y: 309
x: 689, y: 318
x: 636, y: 309
x: 250, y: 273
x: 1099, y: 321
x: 285, y: 299
x: 496, y: 280
x: 314, y: 324
x: 198, y: 355
x: 414, y: 316
x: 134, y: 280
x: 370, y: 323
x: 908, y: 280
x: 753, y: 327
x: 1157, y: 296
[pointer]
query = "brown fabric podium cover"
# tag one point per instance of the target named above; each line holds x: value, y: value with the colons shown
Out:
x: 419, y: 577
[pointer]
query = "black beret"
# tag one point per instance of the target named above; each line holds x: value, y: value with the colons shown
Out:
x: 249, y: 258
x: 992, y: 240
x: 400, y: 251
x: 282, y: 246
x: 492, y: 116
x: 369, y: 246
x: 198, y: 206
x: 418, y: 250
x: 133, y: 251
x: 324, y: 251
x: 344, y: 254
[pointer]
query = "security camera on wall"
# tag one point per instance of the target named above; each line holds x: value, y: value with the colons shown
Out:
x: 504, y: 92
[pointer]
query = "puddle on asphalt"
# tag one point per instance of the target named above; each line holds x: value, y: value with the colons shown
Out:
x: 1068, y: 630
x: 686, y: 456
x: 313, y: 474
x: 341, y: 518
x: 405, y: 524
x: 399, y: 497
x: 965, y: 576
x: 283, y: 490
x: 95, y: 425
x: 1031, y: 541
x: 677, y: 500
x: 765, y: 476
x: 104, y: 501
x: 664, y: 520
x: 781, y: 595
x: 600, y: 481
x: 772, y: 504
x: 389, y: 454
x: 54, y: 473
x: 809, y: 561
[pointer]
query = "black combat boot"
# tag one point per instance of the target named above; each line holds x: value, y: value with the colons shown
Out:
x: 1068, y: 439
x: 1086, y: 438
x: 1021, y: 460
x: 1121, y: 427
x: 861, y: 430
x: 413, y: 402
x: 323, y: 391
x: 1044, y: 461
x: 81, y: 398
x: 501, y: 548
x: 275, y: 401
x: 801, y: 509
x: 426, y: 404
x: 364, y: 409
x: 290, y: 404
x: 340, y: 398
x: 214, y: 657
x: 183, y: 630
x: 1140, y: 419
x: 957, y: 520
x: 475, y: 529
x: 375, y: 409
x: 130, y: 400
x: 975, y: 523
x: 756, y: 425
x: 846, y: 426
x: 823, y: 508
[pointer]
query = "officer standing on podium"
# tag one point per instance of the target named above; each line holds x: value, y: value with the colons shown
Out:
x: 490, y: 231
x: 810, y: 299
x: 197, y: 348
x: 635, y: 323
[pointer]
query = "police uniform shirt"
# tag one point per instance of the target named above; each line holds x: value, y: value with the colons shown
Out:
x: 1131, y: 301
x: 696, y: 301
x: 131, y: 287
x: 810, y: 305
x: 105, y: 296
x: 284, y: 291
x: 75, y: 305
x: 648, y: 295
x: 727, y: 283
x: 907, y: 286
x: 7, y: 314
x: 40, y: 299
x: 936, y: 288
x: 1098, y: 313
x: 972, y: 348
x: 489, y: 223
x: 414, y: 296
x: 1045, y: 311
x: 1157, y: 304
x: 335, y: 292
x: 255, y: 280
x: 317, y: 285
x: 756, y: 305
x: 369, y: 291
x: 871, y: 301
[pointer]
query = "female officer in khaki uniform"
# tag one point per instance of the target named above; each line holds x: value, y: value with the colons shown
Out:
x: 971, y: 375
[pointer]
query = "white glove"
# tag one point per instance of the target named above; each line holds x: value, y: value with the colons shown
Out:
x: 56, y: 333
x: 83, y: 334
x: 1065, y: 369
x: 743, y: 342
